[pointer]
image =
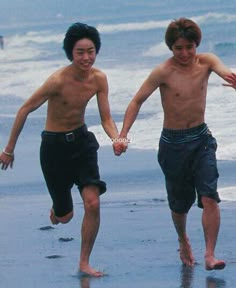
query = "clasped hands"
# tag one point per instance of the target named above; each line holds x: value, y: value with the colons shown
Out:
x: 120, y: 145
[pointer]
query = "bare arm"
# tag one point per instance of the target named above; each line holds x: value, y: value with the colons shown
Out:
x: 35, y: 101
x: 223, y: 71
x: 147, y: 88
x: 104, y: 108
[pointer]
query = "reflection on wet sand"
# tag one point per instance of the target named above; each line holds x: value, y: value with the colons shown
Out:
x: 186, y: 275
x: 85, y: 282
x: 213, y: 282
x: 187, y: 279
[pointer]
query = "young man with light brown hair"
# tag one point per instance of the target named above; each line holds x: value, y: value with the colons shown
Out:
x: 187, y: 149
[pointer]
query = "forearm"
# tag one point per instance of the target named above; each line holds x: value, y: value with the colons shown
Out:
x: 16, y: 130
x: 110, y: 128
x: 130, y: 116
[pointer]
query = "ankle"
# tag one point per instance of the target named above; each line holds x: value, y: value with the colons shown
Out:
x: 183, y: 239
x: 209, y: 256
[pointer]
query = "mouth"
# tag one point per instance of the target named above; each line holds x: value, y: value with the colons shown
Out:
x: 86, y: 65
x: 184, y: 59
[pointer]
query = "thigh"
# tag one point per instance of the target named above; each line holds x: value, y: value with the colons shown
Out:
x: 172, y: 158
x: 176, y: 166
x: 58, y: 178
x: 87, y: 166
x: 206, y: 171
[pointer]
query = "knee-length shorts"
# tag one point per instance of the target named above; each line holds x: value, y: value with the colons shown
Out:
x: 67, y: 159
x: 190, y: 170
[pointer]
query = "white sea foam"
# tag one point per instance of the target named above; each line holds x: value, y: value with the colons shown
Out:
x: 21, y: 80
x: 158, y: 50
x: 147, y: 25
x: 131, y: 26
x: 33, y: 37
x: 228, y: 193
x: 214, y: 18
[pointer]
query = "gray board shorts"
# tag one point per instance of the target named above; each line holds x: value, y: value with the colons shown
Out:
x: 188, y: 160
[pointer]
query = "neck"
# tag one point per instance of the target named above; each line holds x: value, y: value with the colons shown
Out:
x: 79, y: 75
x: 188, y: 65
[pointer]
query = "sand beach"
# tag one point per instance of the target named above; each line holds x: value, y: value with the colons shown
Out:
x: 136, y: 245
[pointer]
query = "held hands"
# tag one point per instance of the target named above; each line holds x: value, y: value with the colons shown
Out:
x: 120, y: 145
x: 6, y: 159
x: 231, y: 79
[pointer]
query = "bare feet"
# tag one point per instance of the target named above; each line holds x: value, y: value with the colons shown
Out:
x: 214, y: 264
x: 185, y: 252
x: 53, y: 217
x: 87, y: 270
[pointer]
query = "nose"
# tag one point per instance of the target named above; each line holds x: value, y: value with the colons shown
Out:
x: 85, y: 56
x: 184, y: 52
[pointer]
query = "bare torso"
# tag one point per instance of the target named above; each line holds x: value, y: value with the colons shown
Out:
x: 69, y: 98
x: 183, y: 93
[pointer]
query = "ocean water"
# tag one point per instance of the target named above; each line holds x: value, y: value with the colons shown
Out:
x: 132, y: 34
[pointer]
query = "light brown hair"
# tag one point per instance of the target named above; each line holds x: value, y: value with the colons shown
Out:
x: 182, y: 28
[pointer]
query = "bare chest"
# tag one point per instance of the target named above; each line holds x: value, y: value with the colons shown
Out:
x: 184, y: 85
x: 77, y: 95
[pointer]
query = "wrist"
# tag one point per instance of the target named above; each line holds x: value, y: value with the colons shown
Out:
x: 120, y: 140
x: 11, y: 154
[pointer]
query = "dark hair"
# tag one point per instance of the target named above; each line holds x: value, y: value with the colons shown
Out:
x: 182, y: 28
x: 78, y: 31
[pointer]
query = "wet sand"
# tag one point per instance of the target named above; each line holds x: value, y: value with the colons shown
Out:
x: 136, y: 245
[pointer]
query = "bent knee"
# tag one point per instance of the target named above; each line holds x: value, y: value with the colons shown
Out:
x: 90, y: 195
x: 92, y: 205
x: 208, y: 202
x: 65, y: 219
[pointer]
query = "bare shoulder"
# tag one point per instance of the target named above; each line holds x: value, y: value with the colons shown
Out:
x: 207, y: 58
x: 163, y: 69
x: 214, y: 63
x: 99, y: 74
x: 100, y: 80
x: 56, y: 79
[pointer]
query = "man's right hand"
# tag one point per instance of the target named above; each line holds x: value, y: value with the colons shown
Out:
x: 6, y: 159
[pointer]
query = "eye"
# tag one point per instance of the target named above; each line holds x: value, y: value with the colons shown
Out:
x: 190, y: 47
x: 79, y: 52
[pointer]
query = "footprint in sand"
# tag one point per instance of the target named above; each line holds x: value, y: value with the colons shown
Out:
x: 45, y: 228
x: 65, y: 239
x: 54, y: 256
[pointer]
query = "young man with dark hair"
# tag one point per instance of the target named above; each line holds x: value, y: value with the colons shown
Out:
x: 187, y: 148
x: 68, y: 152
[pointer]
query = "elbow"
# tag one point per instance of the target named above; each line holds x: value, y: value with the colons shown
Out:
x: 135, y: 105
x: 24, y: 111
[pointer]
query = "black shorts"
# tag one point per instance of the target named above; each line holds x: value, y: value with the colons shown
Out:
x: 190, y: 167
x: 67, y: 159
